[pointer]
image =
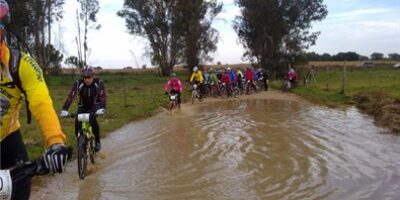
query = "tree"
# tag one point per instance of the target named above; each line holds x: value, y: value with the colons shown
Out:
x: 377, y: 56
x: 153, y: 19
x: 347, y: 56
x: 193, y: 21
x: 271, y: 29
x: 87, y: 13
x: 177, y: 30
x: 31, y: 20
x: 394, y: 56
x: 55, y: 58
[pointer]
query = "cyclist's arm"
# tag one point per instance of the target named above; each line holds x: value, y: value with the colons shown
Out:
x: 102, y: 94
x: 71, y: 96
x: 201, y: 79
x: 166, y: 86
x: 191, y: 77
x: 40, y: 103
x: 180, y: 86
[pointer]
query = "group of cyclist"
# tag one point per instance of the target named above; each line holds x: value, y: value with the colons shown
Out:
x: 21, y: 76
x: 232, y: 78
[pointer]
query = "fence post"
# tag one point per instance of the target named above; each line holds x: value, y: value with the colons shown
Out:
x: 344, y: 78
x: 327, y: 80
x: 124, y: 92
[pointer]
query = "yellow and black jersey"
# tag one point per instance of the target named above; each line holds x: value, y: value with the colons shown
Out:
x: 40, y: 104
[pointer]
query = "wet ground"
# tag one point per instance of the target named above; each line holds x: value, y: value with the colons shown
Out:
x: 243, y: 149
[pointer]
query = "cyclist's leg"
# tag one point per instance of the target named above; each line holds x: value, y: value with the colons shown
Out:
x: 179, y: 98
x: 13, y: 149
x: 78, y: 126
x: 96, y: 131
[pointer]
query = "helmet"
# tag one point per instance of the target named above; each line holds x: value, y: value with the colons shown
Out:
x: 4, y: 18
x: 229, y: 68
x: 4, y: 13
x: 195, y: 69
x: 87, y: 71
x: 173, y: 75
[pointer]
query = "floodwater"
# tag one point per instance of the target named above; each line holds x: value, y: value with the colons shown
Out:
x: 245, y: 149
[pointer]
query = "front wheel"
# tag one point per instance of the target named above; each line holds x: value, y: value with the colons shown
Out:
x: 82, y: 156
x: 92, y: 153
x: 194, y: 94
x: 235, y: 92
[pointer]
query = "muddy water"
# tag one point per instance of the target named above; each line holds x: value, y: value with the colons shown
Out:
x: 248, y: 149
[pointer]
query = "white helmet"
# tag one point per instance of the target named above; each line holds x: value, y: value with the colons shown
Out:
x: 229, y: 68
x: 195, y: 69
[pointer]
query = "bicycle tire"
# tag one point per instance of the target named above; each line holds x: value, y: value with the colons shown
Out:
x: 224, y: 93
x: 194, y: 94
x: 92, y: 153
x: 82, y: 156
x: 235, y: 92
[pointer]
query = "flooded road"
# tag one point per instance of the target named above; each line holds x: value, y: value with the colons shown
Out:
x: 246, y: 149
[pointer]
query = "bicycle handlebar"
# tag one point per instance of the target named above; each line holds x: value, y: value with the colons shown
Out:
x: 32, y: 168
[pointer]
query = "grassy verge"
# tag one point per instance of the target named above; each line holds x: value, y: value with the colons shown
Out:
x: 374, y: 90
x: 129, y: 97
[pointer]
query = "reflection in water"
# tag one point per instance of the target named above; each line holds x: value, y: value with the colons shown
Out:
x: 248, y: 149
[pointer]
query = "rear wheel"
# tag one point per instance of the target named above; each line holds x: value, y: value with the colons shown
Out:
x: 82, y: 156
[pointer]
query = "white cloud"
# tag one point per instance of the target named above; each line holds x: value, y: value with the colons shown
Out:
x: 360, y: 13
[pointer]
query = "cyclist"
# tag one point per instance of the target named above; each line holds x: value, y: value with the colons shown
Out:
x: 239, y: 75
x: 213, y: 77
x: 174, y: 86
x: 249, y: 76
x: 22, y: 76
x: 197, y: 77
x: 92, y: 99
x: 263, y: 77
x: 292, y: 76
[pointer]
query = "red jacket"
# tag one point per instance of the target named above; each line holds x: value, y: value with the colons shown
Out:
x: 174, y: 84
x: 225, y: 78
x: 248, y: 75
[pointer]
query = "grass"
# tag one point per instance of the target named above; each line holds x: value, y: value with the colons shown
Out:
x: 129, y: 97
x: 378, y: 79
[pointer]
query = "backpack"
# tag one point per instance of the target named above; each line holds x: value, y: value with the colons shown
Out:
x: 15, y: 59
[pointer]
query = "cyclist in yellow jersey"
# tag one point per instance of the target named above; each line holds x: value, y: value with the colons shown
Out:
x: 21, y: 74
x: 197, y: 78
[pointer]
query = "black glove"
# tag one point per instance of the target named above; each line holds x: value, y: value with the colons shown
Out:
x: 55, y: 158
x: 166, y: 93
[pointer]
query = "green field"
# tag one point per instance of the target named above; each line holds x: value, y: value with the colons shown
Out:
x: 328, y: 86
x: 129, y: 97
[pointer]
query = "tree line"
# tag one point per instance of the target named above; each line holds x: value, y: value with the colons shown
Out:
x: 179, y: 31
x: 347, y: 56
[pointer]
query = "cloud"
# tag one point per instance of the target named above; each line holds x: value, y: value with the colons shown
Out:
x: 360, y: 13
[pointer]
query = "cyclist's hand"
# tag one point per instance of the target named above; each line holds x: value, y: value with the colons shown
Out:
x: 55, y: 158
x: 166, y: 93
x: 64, y: 113
x: 101, y: 111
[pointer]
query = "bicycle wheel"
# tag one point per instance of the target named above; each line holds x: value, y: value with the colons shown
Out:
x: 235, y: 92
x: 82, y: 156
x: 194, y: 94
x: 224, y: 92
x: 91, y: 151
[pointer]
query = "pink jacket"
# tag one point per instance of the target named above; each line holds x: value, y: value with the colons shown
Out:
x: 174, y: 84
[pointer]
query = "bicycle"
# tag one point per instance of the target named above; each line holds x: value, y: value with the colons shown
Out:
x: 173, y: 101
x: 250, y: 87
x: 85, y: 143
x: 195, y: 93
x: 21, y: 170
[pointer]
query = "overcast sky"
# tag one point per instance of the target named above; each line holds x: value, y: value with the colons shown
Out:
x: 363, y: 26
